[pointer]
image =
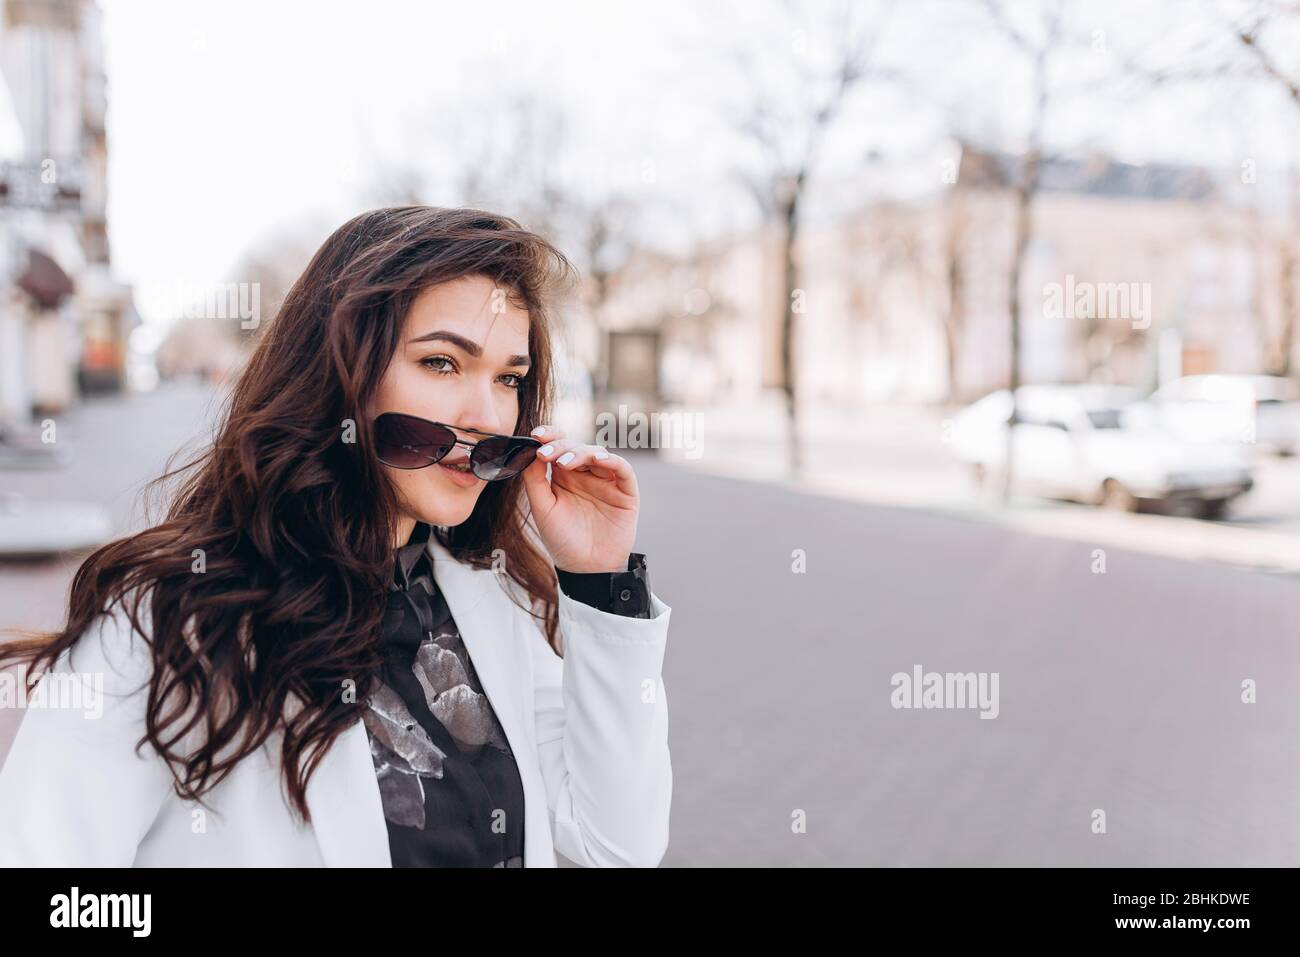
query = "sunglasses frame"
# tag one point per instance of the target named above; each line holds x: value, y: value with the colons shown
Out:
x: 524, y: 441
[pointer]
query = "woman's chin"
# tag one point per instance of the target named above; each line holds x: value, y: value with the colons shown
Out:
x: 454, y: 507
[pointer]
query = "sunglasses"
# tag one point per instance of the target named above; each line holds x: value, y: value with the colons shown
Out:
x: 409, y: 442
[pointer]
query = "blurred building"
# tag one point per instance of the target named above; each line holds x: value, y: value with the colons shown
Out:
x: 64, y: 318
x: 1191, y: 250
x: 908, y: 300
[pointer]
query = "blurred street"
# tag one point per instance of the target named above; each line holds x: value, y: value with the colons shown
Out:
x: 115, y: 445
x: 896, y: 455
x: 1119, y: 691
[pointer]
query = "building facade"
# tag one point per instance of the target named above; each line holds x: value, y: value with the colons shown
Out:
x: 64, y: 317
x: 1133, y: 274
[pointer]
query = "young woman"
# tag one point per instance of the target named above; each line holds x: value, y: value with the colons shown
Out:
x: 373, y: 630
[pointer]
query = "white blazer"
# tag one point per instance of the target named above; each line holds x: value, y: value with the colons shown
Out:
x: 589, y: 733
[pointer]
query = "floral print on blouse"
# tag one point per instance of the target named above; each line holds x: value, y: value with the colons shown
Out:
x: 450, y: 787
x: 448, y: 781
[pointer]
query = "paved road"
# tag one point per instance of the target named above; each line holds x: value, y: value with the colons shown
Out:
x: 1118, y: 691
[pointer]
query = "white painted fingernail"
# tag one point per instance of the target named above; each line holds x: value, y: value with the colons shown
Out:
x: 565, y: 459
x: 602, y: 454
x: 546, y: 450
x: 539, y: 430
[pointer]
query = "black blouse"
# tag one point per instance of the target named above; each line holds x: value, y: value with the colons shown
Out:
x: 448, y: 780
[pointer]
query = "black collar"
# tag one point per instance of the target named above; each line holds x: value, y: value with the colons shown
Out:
x: 407, y: 555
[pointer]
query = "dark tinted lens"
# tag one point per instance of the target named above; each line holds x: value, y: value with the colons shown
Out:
x: 500, y: 458
x: 407, y: 442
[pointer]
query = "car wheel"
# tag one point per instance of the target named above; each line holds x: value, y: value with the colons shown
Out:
x: 1212, y: 508
x: 1115, y: 495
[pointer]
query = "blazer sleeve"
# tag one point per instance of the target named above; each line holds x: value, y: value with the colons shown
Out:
x: 602, y: 735
x: 73, y: 790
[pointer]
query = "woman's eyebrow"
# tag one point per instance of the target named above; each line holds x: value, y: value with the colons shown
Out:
x: 468, y: 345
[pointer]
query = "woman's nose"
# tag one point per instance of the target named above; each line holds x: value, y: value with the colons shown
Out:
x: 479, y: 411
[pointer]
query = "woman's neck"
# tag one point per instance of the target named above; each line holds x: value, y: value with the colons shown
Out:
x: 402, y: 534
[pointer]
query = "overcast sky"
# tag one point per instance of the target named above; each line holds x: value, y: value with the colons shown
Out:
x: 231, y: 120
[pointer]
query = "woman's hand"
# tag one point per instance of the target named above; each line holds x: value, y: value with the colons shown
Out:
x: 587, y: 512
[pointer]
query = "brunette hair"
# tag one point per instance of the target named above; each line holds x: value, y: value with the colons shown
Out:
x: 294, y: 515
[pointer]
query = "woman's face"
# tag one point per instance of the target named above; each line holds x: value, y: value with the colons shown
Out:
x: 462, y: 355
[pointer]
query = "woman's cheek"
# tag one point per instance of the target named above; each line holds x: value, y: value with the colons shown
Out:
x: 510, y: 409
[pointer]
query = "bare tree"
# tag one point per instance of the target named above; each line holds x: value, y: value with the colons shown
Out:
x: 789, y: 130
x: 1241, y: 50
x: 1037, y: 48
x: 1280, y: 361
x: 271, y: 265
x: 519, y: 165
x: 1253, y: 38
x: 957, y: 225
x: 517, y: 153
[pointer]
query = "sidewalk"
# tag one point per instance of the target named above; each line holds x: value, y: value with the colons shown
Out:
x: 115, y: 445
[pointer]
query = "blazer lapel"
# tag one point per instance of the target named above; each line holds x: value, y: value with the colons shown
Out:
x: 346, y: 809
x: 343, y: 793
x: 487, y: 623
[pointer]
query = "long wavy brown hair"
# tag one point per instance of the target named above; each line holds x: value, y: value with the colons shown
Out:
x: 294, y: 514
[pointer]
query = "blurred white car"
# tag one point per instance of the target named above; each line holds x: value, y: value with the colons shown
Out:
x: 1076, y: 442
x: 1259, y: 410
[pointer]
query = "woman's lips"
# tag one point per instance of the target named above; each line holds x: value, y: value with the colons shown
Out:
x: 464, y: 479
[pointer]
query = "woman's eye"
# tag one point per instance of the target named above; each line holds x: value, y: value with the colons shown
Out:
x: 445, y: 365
x: 439, y: 369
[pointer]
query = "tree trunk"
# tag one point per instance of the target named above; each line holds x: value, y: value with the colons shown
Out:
x: 952, y: 320
x: 1281, y: 364
x: 790, y: 224
x: 1023, y: 230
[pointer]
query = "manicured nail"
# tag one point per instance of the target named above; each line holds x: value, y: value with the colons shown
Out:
x: 565, y: 459
x: 539, y: 430
x: 546, y: 450
x: 602, y: 454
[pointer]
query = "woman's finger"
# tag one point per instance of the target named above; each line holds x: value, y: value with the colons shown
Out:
x: 595, y: 459
x: 555, y: 449
x: 540, y: 494
x: 600, y: 462
x: 619, y: 469
x: 547, y: 433
x: 578, y: 456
